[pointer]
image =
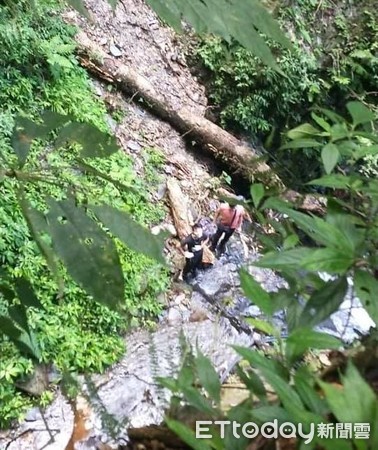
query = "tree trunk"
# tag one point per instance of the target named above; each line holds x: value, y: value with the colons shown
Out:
x: 241, y: 158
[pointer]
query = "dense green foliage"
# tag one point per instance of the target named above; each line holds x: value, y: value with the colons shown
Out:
x: 252, y: 96
x: 38, y: 71
x: 334, y: 59
x: 346, y: 239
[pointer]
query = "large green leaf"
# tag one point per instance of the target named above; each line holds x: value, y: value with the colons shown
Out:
x: 259, y: 361
x: 256, y: 293
x: 208, y: 377
x: 293, y: 312
x: 328, y: 260
x: 277, y: 377
x: 6, y: 291
x: 356, y: 402
x: 282, y: 388
x: 324, y: 232
x: 193, y: 12
x: 353, y: 237
x: 84, y: 166
x: 193, y: 397
x: 168, y: 11
x: 253, y: 382
x: 252, y: 11
x: 318, y: 229
x: 168, y: 383
x: 218, y: 23
x: 7, y: 327
x: 88, y: 252
x: 361, y: 152
x: 371, y: 189
x: 290, y: 242
x: 336, y: 181
x: 53, y: 120
x: 186, y: 375
x: 367, y: 291
x: 360, y: 113
x: 324, y: 302
x: 263, y: 326
x: 330, y: 156
x: 304, y: 384
x: 321, y: 122
x: 27, y: 343
x: 287, y: 259
x: 277, y: 203
x: 94, y: 143
x: 290, y: 399
x: 240, y: 413
x: 187, y: 435
x: 303, y: 131
x: 26, y: 294
x: 113, y: 4
x: 337, y: 231
x: 25, y: 131
x: 260, y: 48
x: 24, y: 341
x: 39, y: 229
x: 243, y: 20
x: 303, y: 339
x: 339, y: 131
x: 301, y: 143
x: 372, y: 137
x: 135, y: 236
x: 257, y: 192
x: 335, y: 118
x: 18, y: 315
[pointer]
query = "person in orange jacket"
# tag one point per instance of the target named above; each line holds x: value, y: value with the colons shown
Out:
x: 228, y: 218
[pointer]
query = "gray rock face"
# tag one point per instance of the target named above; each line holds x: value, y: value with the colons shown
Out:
x: 215, y: 281
x: 50, y: 432
x: 161, y: 191
x: 134, y: 146
x: 115, y: 50
x: 174, y: 316
x: 129, y: 393
x: 351, y: 320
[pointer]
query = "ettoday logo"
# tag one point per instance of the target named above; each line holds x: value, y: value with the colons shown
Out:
x: 272, y: 430
x: 269, y: 430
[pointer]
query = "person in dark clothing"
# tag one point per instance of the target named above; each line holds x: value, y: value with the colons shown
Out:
x: 193, y: 247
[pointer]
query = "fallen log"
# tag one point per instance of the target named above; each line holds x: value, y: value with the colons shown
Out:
x: 179, y: 207
x: 243, y: 159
